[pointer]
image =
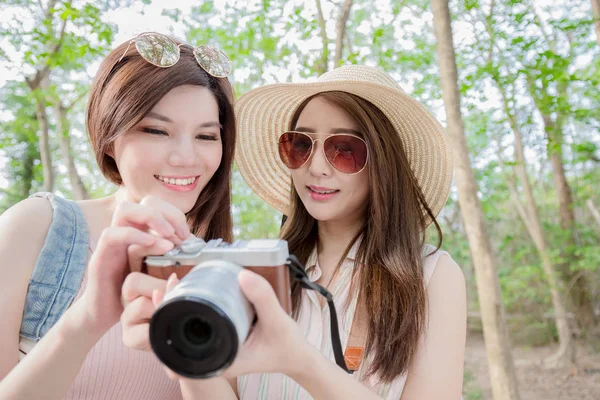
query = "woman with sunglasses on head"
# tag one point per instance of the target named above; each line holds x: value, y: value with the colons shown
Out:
x: 360, y: 169
x: 161, y: 124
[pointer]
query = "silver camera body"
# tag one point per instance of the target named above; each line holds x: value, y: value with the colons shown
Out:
x: 202, y: 322
x: 193, y: 251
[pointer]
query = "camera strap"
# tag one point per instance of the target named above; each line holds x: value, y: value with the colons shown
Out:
x: 356, y: 344
x: 353, y: 354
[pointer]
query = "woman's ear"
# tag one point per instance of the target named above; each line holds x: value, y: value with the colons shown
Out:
x: 111, y: 152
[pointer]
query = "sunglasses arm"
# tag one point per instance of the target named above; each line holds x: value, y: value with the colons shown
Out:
x: 127, y: 49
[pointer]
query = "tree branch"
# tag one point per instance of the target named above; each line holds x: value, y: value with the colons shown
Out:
x: 596, y: 14
x: 42, y: 74
x: 593, y: 210
x: 75, y: 101
x: 341, y: 31
x: 540, y: 24
x: 323, y: 67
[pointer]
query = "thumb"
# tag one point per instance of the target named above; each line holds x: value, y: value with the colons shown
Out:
x: 258, y: 291
x: 157, y: 297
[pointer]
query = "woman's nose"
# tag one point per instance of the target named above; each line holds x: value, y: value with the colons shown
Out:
x: 318, y: 164
x: 183, y: 154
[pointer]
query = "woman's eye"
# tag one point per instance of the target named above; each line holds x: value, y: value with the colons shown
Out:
x: 153, y: 131
x: 207, y: 137
x: 343, y: 149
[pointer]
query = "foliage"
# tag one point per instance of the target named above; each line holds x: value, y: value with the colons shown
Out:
x: 544, y: 59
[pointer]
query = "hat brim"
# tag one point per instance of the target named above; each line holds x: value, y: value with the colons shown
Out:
x: 263, y: 114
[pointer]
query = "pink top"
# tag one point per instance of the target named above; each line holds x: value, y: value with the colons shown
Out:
x: 314, y: 321
x: 114, y: 371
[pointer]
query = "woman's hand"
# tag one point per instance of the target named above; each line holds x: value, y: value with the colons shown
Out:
x: 150, y: 227
x: 142, y: 294
x: 275, y: 343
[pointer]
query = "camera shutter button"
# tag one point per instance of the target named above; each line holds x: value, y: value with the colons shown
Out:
x: 172, y: 253
x: 192, y: 246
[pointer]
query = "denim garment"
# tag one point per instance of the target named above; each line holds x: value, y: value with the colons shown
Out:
x: 59, y: 269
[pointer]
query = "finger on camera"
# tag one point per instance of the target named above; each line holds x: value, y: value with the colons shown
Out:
x: 171, y: 282
x: 173, y: 214
x: 138, y: 284
x: 257, y: 289
x: 142, y: 217
x: 115, y: 239
x: 138, y: 311
x: 137, y: 337
x: 136, y: 253
x: 157, y: 297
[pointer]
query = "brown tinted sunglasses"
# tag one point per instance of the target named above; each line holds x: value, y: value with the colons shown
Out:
x: 344, y: 152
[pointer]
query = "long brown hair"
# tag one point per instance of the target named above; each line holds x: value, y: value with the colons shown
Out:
x: 124, y: 91
x: 389, y: 259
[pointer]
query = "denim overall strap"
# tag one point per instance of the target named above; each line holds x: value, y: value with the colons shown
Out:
x: 59, y: 269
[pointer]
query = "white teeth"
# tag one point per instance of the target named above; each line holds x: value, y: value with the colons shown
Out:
x: 324, y: 192
x: 178, y: 182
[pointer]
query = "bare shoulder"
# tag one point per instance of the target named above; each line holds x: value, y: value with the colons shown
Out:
x: 447, y: 276
x: 23, y: 230
x: 447, y: 291
x: 29, y: 219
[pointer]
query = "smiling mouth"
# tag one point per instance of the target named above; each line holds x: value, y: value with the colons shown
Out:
x: 329, y: 191
x: 177, y: 181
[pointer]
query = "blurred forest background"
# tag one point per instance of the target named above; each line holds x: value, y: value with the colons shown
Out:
x: 528, y: 80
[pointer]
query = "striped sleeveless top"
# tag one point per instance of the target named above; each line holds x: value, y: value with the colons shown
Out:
x: 314, y: 321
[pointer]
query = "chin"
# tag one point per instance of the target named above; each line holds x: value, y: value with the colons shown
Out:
x: 321, y: 213
x: 183, y: 204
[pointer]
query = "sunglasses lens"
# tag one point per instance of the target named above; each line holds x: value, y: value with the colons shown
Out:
x: 213, y: 61
x: 347, y: 154
x: 294, y: 149
x: 157, y: 49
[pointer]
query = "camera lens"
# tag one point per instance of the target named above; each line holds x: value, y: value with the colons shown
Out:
x: 202, y: 322
x: 197, y: 332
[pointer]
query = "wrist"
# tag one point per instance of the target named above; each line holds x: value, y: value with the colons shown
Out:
x: 216, y: 387
x: 78, y: 325
x: 303, y: 365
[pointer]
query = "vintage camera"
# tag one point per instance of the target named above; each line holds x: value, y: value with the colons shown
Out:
x: 202, y: 322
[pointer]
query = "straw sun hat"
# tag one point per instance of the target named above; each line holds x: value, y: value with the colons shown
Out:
x: 263, y: 114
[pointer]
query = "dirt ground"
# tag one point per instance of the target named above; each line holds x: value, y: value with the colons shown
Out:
x: 535, y: 382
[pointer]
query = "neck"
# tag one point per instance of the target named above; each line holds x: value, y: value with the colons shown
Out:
x: 111, y: 202
x: 334, y: 237
x: 122, y: 195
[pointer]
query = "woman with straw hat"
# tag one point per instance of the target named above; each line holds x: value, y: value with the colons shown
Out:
x: 360, y: 170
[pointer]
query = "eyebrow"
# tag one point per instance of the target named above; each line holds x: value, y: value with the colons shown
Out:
x: 160, y: 117
x: 334, y: 130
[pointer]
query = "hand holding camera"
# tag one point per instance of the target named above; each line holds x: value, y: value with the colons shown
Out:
x: 204, y: 320
x: 136, y: 230
x: 230, y: 313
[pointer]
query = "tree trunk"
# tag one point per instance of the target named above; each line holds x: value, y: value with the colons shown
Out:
x: 44, y: 134
x: 593, y: 210
x: 324, y: 62
x: 503, y: 379
x: 341, y: 31
x: 566, y: 352
x: 576, y: 281
x: 596, y: 14
x: 63, y: 128
x: 577, y: 284
x: 28, y: 165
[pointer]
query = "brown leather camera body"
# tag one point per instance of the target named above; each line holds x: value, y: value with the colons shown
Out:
x: 277, y: 276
